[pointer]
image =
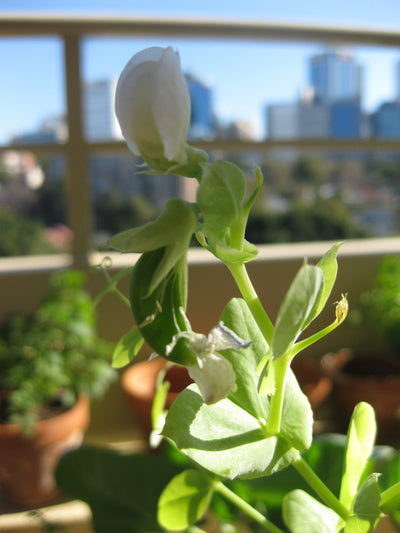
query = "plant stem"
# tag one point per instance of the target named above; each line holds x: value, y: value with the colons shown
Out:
x: 247, y: 508
x: 275, y: 414
x: 320, y: 488
x: 246, y: 288
x: 390, y: 494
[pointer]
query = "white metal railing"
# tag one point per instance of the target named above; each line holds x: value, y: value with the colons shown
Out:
x: 73, y: 29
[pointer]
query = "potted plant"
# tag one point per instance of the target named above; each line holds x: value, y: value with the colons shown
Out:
x: 245, y: 416
x: 372, y: 373
x: 50, y: 364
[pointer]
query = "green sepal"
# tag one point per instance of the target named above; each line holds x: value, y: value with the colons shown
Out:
x: 192, y: 168
x: 304, y: 514
x: 172, y: 231
x: 184, y: 500
x: 127, y: 348
x: 232, y: 255
x: 157, y: 313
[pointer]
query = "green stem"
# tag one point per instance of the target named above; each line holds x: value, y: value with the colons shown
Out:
x: 275, y: 414
x: 246, y: 288
x: 390, y: 494
x: 320, y: 488
x: 305, y: 343
x: 247, y: 508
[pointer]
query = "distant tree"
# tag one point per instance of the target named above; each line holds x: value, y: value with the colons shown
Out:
x: 20, y: 235
x: 115, y: 213
x: 325, y: 220
x: 308, y: 170
x: 50, y: 206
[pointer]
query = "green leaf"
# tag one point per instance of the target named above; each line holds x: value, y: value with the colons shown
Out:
x: 297, y: 309
x: 328, y: 265
x: 360, y: 444
x: 237, y: 317
x: 366, y: 512
x: 127, y: 348
x: 220, y: 195
x: 171, y: 231
x: 157, y: 314
x: 303, y: 514
x: 122, y: 490
x: 259, y: 179
x: 172, y: 225
x: 230, y: 442
x: 185, y: 500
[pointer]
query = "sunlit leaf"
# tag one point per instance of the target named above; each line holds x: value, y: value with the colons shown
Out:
x: 303, y: 514
x: 220, y: 195
x: 171, y: 231
x: 127, y: 348
x: 228, y: 441
x: 366, y: 512
x: 360, y: 443
x: 185, y: 500
x: 328, y: 265
x: 297, y: 308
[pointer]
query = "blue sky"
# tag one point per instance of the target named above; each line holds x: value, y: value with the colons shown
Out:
x: 245, y: 76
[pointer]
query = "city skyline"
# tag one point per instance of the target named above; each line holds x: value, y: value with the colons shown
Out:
x: 334, y: 77
x: 267, y: 72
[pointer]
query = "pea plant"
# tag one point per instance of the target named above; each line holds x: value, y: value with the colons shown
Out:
x: 245, y: 416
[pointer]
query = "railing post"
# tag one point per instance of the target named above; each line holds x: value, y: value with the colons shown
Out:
x: 78, y: 188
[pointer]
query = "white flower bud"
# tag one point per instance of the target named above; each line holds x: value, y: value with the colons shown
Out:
x: 153, y: 106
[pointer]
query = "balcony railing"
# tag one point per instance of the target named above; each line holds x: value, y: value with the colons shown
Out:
x: 73, y: 29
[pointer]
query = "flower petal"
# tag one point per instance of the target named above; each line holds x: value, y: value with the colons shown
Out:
x: 172, y: 106
x: 214, y: 376
x: 224, y: 338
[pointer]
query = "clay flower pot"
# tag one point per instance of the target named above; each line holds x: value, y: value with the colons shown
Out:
x: 313, y: 381
x: 139, y: 384
x: 27, y: 464
x: 374, y: 379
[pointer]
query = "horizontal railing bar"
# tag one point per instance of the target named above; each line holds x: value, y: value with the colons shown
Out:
x: 19, y: 24
x: 233, y: 145
x: 34, y: 147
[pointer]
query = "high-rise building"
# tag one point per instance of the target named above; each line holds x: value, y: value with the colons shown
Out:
x: 386, y: 121
x: 345, y: 119
x: 202, y: 115
x: 335, y: 76
x: 330, y: 107
x: 283, y: 121
x: 99, y: 119
x: 398, y: 81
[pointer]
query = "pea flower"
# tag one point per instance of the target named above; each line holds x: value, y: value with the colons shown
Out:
x: 152, y: 104
x: 212, y: 372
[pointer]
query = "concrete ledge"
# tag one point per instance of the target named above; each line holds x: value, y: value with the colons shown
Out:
x: 72, y: 517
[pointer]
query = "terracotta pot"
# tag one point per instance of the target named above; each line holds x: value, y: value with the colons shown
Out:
x: 27, y: 464
x: 139, y: 384
x: 314, y: 382
x: 372, y: 379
